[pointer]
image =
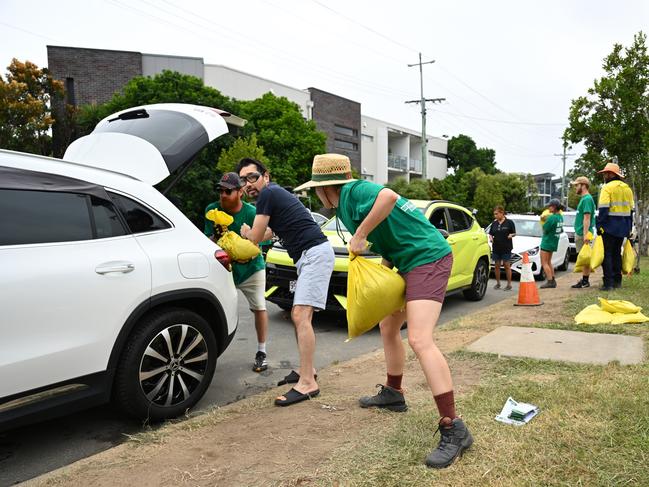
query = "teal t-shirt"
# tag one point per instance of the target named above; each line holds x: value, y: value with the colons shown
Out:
x: 405, y: 238
x: 240, y: 272
x: 552, y: 229
x: 586, y: 205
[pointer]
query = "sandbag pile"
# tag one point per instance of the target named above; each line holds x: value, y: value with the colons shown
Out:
x: 616, y: 312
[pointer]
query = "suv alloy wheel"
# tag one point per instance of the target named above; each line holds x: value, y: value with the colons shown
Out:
x: 479, y: 284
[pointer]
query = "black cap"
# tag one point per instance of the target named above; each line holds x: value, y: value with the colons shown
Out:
x: 230, y: 180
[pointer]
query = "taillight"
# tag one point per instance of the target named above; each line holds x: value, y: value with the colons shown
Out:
x: 223, y: 258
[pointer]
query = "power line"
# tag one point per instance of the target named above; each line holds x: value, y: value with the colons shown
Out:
x: 512, y: 122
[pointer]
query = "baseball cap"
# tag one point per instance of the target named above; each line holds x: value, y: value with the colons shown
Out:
x: 581, y: 180
x: 230, y: 180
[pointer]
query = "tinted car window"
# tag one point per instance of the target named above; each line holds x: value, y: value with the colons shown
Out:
x: 28, y: 217
x: 459, y: 219
x: 107, y: 221
x: 438, y: 219
x: 138, y: 217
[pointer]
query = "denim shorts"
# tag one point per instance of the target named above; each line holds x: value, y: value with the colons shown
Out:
x: 314, y: 270
x: 504, y: 256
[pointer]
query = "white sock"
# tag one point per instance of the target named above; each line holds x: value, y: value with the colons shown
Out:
x: 261, y: 347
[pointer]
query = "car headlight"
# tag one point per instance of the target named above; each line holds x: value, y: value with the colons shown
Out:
x: 533, y: 251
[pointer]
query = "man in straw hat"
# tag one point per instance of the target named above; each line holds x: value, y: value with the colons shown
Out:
x: 313, y: 257
x: 614, y: 222
x: 584, y: 223
x: 403, y: 236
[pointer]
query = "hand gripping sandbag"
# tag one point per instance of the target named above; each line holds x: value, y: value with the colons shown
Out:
x: 373, y: 292
x: 597, y: 254
x: 239, y: 249
x: 628, y: 258
x: 583, y: 257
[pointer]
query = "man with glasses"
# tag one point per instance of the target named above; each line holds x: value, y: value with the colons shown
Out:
x: 313, y: 257
x: 249, y: 277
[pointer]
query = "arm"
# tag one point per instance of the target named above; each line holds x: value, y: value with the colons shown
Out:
x: 513, y: 233
x: 604, y: 204
x: 382, y: 207
x: 586, y: 227
x: 259, y: 231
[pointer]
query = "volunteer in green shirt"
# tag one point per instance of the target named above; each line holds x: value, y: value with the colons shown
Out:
x: 249, y: 277
x: 552, y: 229
x: 402, y: 235
x: 584, y: 223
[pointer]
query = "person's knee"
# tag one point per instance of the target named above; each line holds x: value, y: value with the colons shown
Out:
x: 301, y: 315
x: 419, y: 343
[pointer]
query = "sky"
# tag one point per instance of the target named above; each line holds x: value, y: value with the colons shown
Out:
x: 507, y: 69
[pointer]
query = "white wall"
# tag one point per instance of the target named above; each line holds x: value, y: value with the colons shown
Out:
x: 245, y: 86
x: 437, y: 166
x: 153, y: 64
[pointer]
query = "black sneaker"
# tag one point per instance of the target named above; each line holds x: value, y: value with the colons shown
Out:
x: 387, y: 398
x: 581, y: 284
x: 261, y: 363
x: 454, y: 440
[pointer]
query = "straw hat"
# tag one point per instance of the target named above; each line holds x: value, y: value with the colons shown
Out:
x: 327, y: 170
x: 612, y: 167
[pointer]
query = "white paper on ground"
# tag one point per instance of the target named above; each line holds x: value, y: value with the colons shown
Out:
x: 530, y: 410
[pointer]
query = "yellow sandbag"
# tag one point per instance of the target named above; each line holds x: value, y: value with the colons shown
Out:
x: 618, y: 306
x: 628, y: 258
x: 583, y: 257
x: 621, y: 318
x: 219, y: 217
x: 373, y: 292
x: 593, y: 315
x: 239, y: 249
x: 597, y: 254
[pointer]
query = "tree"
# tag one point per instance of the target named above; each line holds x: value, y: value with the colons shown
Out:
x: 417, y: 189
x: 242, y: 147
x: 290, y: 142
x: 612, y: 120
x: 25, y: 108
x: 464, y: 155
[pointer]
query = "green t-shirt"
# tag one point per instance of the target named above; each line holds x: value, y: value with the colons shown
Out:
x: 240, y: 272
x: 552, y: 229
x: 405, y: 238
x: 586, y: 205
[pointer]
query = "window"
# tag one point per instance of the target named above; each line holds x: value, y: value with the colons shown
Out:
x: 30, y: 217
x: 343, y: 144
x: 437, y: 154
x: 342, y: 130
x: 69, y: 91
x: 107, y: 222
x: 368, y: 138
x: 459, y: 220
x: 438, y: 219
x: 138, y: 217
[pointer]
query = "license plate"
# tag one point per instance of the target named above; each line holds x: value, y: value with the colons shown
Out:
x: 291, y: 286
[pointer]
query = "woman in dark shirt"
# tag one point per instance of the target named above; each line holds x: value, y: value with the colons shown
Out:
x: 501, y: 233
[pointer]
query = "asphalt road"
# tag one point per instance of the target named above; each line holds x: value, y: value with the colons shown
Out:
x: 30, y: 451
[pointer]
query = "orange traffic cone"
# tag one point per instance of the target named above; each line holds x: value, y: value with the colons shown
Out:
x: 528, y: 294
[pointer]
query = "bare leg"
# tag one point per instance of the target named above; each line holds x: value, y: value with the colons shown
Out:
x: 497, y: 271
x: 546, y: 262
x: 508, y: 272
x: 395, y: 354
x: 261, y: 325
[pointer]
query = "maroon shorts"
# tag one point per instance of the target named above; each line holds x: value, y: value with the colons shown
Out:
x: 429, y: 281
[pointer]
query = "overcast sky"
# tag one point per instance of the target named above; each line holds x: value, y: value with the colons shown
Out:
x: 508, y: 69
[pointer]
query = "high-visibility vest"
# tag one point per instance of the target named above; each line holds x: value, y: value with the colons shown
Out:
x: 617, y: 197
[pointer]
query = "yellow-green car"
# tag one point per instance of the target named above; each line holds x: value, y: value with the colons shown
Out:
x: 469, y: 242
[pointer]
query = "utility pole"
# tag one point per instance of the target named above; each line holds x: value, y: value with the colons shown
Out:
x: 564, y: 193
x: 422, y: 101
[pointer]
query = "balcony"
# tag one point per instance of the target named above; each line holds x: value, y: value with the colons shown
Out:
x: 415, y: 165
x: 400, y: 163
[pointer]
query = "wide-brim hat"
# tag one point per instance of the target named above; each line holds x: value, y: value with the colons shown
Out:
x: 612, y: 167
x: 328, y: 170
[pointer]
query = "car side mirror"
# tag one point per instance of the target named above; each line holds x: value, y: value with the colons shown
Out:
x: 443, y: 232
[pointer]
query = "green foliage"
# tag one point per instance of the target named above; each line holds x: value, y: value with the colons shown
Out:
x: 418, y: 189
x: 25, y: 108
x: 242, y: 147
x: 612, y: 120
x: 290, y: 142
x: 464, y: 155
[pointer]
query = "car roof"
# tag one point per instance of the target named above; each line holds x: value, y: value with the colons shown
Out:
x: 425, y: 204
x: 523, y: 216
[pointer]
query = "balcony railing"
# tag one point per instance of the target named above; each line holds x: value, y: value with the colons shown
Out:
x: 398, y: 162
x: 415, y: 165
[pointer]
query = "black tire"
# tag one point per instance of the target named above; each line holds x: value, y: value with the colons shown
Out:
x: 480, y: 281
x: 566, y: 262
x: 179, y: 348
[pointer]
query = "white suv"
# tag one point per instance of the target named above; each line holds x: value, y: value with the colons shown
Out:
x: 108, y: 291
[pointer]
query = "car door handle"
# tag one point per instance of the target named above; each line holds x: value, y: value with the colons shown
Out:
x: 108, y: 267
x: 452, y: 242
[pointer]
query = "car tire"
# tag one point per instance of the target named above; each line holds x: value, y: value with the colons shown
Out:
x: 566, y: 262
x: 480, y: 281
x: 166, y: 365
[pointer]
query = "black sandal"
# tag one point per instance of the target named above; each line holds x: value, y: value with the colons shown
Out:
x: 293, y: 397
x: 292, y: 378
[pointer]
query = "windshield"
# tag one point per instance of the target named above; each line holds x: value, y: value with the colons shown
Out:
x: 569, y: 220
x: 527, y: 227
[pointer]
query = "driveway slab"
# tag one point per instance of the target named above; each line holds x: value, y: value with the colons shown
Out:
x: 567, y: 346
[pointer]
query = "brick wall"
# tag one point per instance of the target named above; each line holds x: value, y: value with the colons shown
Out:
x: 330, y: 110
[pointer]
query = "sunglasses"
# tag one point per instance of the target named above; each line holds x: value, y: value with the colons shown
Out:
x: 227, y: 191
x: 251, y: 177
